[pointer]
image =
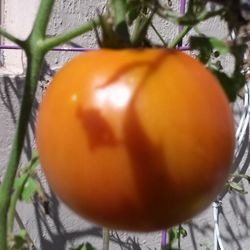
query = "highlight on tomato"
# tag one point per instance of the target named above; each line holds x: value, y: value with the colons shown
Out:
x: 135, y: 139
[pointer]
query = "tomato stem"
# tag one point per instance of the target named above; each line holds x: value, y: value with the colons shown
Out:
x: 118, y: 8
x: 141, y: 27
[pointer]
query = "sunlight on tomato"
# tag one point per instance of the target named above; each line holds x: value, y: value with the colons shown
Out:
x: 135, y: 139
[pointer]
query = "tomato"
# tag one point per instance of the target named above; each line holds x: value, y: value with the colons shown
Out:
x: 135, y: 139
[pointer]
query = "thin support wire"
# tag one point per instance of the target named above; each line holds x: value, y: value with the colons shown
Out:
x: 241, y: 129
x: 164, y: 238
x: 217, y: 206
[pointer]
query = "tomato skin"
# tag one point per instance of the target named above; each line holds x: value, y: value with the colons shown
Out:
x: 136, y: 140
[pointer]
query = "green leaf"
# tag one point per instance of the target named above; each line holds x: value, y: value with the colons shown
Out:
x: 85, y: 246
x: 219, y: 45
x: 228, y: 84
x: 207, y: 46
x: 25, y: 184
x: 175, y: 234
x: 19, y: 241
x: 182, y: 231
x: 205, y: 49
x: 22, y: 233
x: 236, y: 187
x: 29, y: 189
x: 19, y: 182
x: 134, y: 9
x: 34, y: 162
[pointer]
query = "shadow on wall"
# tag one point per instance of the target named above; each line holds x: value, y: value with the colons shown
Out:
x: 51, y: 225
x: 53, y: 233
x: 11, y: 90
x: 10, y: 95
x: 59, y: 237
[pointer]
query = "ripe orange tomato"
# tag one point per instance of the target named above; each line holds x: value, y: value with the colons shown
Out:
x: 135, y: 139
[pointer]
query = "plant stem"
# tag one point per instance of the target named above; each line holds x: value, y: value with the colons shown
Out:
x: 21, y: 225
x: 52, y: 42
x: 12, y: 209
x: 42, y: 18
x: 202, y: 17
x: 35, y: 57
x: 118, y: 8
x: 105, y: 237
x: 140, y: 29
x: 159, y: 35
x: 10, y: 37
x: 33, y: 70
x: 27, y: 171
x: 179, y: 37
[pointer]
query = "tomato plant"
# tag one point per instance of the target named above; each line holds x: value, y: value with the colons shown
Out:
x: 135, y: 139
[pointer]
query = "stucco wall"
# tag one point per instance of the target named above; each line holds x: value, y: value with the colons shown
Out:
x: 61, y: 228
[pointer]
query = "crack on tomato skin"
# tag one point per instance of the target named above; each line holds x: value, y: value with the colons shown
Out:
x: 149, y: 164
x: 150, y: 64
x: 98, y: 131
x: 148, y: 160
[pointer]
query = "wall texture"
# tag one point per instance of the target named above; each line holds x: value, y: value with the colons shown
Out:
x: 61, y: 229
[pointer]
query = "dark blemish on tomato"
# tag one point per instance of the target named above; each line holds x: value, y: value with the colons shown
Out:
x: 151, y: 65
x: 99, y: 132
x: 149, y: 162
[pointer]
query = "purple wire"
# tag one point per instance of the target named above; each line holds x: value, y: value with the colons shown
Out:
x: 182, y: 7
x: 163, y: 238
x: 183, y: 48
x: 182, y: 11
x: 73, y: 49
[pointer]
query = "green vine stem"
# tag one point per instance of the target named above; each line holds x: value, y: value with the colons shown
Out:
x: 140, y: 29
x: 35, y: 57
x: 12, y: 209
x: 27, y: 171
x: 52, y: 42
x: 9, y: 36
x: 158, y: 34
x: 179, y: 37
x: 8, y: 181
x: 189, y: 25
x: 28, y: 238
